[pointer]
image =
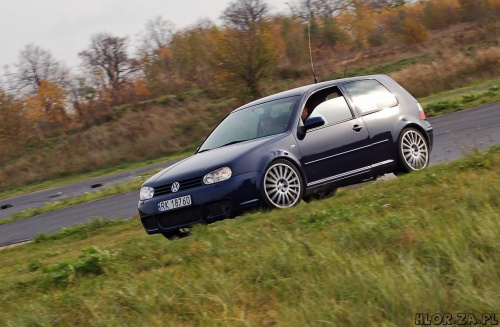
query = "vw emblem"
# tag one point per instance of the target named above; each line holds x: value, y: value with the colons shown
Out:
x: 175, y: 187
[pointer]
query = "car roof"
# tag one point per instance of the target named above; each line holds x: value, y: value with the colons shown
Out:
x: 303, y: 89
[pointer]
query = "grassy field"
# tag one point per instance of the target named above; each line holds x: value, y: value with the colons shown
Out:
x: 371, y: 256
x: 461, y: 102
x: 474, y: 87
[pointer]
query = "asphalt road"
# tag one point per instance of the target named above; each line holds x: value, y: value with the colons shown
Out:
x: 454, y: 135
x: 461, y: 132
x: 38, y: 199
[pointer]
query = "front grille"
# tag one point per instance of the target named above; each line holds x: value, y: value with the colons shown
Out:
x: 185, y: 184
x: 219, y: 207
x: 181, y: 217
x: 149, y: 223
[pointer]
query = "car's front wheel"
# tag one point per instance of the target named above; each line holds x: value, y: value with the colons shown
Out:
x: 282, y: 185
x: 413, y: 151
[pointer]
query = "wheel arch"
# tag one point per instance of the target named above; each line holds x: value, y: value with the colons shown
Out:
x: 417, y: 127
x: 290, y: 160
x: 400, y: 130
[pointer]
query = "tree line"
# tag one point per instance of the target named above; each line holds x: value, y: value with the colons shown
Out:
x: 43, y: 98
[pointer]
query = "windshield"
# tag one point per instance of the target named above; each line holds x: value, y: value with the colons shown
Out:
x: 261, y: 120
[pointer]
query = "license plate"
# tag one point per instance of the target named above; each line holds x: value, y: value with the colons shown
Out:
x: 183, y: 201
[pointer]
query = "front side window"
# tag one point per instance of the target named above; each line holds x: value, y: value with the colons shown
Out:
x: 370, y: 95
x: 330, y: 105
x: 258, y: 121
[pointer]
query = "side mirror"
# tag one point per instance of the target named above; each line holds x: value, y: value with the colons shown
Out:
x: 311, y: 123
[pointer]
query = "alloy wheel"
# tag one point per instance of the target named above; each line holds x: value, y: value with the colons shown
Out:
x: 414, y: 150
x: 282, y: 185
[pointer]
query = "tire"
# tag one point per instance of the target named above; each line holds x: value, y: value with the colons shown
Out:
x: 413, y: 151
x: 177, y: 233
x: 282, y: 185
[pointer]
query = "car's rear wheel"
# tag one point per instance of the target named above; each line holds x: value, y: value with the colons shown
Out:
x: 413, y: 151
x: 282, y: 185
x: 177, y: 233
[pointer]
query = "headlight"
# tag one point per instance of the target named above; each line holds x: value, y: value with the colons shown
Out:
x: 146, y: 193
x: 217, y: 175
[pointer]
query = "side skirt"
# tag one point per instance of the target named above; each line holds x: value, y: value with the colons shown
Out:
x: 343, y: 179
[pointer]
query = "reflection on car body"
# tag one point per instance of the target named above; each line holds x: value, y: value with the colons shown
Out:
x: 263, y: 153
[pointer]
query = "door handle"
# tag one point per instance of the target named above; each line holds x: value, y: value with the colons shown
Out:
x: 357, y: 127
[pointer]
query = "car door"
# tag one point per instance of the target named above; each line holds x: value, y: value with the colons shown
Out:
x: 339, y: 149
x: 378, y: 108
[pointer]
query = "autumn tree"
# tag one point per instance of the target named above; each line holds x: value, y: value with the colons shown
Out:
x: 295, y: 40
x: 155, y: 54
x: 475, y: 10
x: 244, y: 50
x: 11, y: 123
x: 414, y: 31
x: 441, y: 13
x: 36, y: 65
x: 192, y: 54
x: 46, y: 109
x: 108, y: 64
x: 362, y: 22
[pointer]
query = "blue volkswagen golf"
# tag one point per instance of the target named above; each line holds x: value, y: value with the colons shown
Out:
x: 290, y: 146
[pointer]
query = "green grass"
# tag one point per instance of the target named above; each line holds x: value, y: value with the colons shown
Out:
x: 371, y: 256
x: 462, y: 102
x: 65, y: 180
x: 457, y: 92
x: 83, y: 198
x: 385, y: 68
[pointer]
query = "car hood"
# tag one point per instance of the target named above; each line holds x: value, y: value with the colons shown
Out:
x: 202, y: 163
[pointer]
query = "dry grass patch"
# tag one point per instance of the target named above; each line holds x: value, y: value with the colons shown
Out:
x: 449, y: 70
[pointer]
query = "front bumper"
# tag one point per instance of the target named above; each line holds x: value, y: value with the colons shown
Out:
x: 209, y: 203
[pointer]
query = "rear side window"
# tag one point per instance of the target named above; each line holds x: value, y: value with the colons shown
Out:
x: 370, y: 95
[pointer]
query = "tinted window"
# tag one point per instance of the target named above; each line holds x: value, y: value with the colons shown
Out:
x: 247, y: 124
x: 329, y: 104
x: 369, y: 95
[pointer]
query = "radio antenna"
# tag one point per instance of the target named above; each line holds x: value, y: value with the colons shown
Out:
x: 347, y: 62
x: 309, y: 37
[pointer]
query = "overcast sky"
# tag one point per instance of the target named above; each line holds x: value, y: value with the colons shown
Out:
x: 65, y: 27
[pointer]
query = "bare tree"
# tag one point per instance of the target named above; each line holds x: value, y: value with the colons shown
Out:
x: 36, y: 65
x: 107, y: 61
x: 157, y: 36
x: 154, y: 53
x: 318, y: 9
x: 243, y: 14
